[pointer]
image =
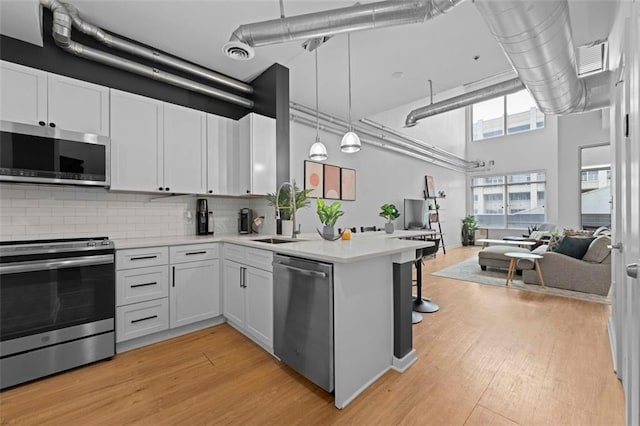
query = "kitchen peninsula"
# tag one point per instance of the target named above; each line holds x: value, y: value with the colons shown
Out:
x: 371, y: 297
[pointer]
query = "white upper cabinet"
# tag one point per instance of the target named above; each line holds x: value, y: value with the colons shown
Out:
x: 222, y: 155
x: 36, y: 97
x: 24, y: 94
x: 185, y: 150
x: 136, y: 143
x: 257, y: 152
x: 77, y: 105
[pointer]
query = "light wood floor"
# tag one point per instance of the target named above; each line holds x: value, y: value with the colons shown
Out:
x: 491, y: 356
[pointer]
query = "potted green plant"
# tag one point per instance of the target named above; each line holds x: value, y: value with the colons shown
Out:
x: 391, y: 213
x: 469, y: 228
x: 328, y: 215
x: 281, y: 201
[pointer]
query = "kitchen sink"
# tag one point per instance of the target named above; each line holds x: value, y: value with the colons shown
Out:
x: 275, y: 240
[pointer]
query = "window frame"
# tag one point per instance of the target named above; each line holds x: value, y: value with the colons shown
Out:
x: 505, y: 192
x: 505, y: 122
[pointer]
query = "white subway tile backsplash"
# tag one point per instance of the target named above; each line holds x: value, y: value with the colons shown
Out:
x: 31, y: 211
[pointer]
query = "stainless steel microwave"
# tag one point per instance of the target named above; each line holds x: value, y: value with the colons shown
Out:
x: 38, y: 154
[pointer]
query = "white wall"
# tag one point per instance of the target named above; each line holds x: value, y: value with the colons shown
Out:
x: 384, y: 176
x: 575, y: 131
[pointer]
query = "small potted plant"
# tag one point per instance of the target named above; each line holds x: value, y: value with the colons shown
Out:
x: 469, y: 228
x: 391, y: 213
x: 328, y: 215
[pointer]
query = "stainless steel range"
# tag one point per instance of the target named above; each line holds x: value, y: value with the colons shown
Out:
x: 57, y: 306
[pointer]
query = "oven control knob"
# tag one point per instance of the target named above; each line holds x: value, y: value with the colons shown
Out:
x: 106, y: 243
x: 91, y: 243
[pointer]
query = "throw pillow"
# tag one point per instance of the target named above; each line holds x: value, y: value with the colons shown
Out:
x: 597, y: 251
x: 574, y: 246
x: 554, y: 242
x: 577, y: 233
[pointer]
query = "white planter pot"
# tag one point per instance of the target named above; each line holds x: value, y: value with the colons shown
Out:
x: 287, y: 228
x: 388, y: 228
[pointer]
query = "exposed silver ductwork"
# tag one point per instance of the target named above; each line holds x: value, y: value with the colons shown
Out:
x: 495, y: 90
x: 337, y: 21
x: 65, y: 16
x: 536, y: 37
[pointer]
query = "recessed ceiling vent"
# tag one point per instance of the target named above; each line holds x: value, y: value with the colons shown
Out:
x: 238, y: 51
x: 592, y: 58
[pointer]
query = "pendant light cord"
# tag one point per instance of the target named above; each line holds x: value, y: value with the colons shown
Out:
x: 349, y: 65
x: 317, y: 109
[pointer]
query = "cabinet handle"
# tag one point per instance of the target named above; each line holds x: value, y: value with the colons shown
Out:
x: 241, y: 277
x: 52, y: 124
x: 173, y: 278
x: 244, y: 277
x: 144, y: 257
x: 161, y: 189
x: 210, y: 192
x: 144, y: 319
x: 42, y: 123
x: 167, y: 188
x: 195, y: 252
x: 248, y: 191
x: 143, y: 285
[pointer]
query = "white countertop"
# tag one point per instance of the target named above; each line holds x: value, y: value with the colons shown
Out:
x: 362, y: 245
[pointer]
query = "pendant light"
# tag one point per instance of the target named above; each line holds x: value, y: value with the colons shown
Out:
x: 318, y: 151
x: 350, y: 141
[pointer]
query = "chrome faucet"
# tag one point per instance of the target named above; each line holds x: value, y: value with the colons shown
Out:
x: 292, y: 205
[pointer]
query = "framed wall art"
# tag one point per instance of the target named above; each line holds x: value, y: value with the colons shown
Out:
x: 348, y: 184
x: 331, y: 182
x: 431, y: 187
x: 314, y: 178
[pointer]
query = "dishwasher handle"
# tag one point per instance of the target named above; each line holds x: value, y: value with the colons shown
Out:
x: 302, y: 271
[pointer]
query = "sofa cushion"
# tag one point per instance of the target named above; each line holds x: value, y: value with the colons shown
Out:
x: 554, y: 242
x: 574, y: 246
x: 597, y: 251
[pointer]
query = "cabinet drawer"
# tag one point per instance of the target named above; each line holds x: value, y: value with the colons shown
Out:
x: 262, y: 259
x: 142, y: 258
x: 142, y: 284
x: 141, y: 319
x: 193, y: 253
x: 235, y: 252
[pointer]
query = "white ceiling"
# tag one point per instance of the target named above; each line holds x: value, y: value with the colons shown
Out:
x: 441, y: 50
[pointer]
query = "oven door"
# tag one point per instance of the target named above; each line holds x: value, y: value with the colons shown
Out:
x: 61, y: 293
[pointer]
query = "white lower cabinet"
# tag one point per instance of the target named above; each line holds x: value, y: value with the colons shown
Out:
x: 248, y: 293
x: 161, y: 288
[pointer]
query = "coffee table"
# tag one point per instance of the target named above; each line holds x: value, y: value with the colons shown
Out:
x: 514, y: 256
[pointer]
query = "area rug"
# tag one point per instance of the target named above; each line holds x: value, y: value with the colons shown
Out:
x: 469, y: 270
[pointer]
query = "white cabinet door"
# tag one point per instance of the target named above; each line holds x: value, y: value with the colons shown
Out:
x: 257, y: 152
x: 233, y: 291
x: 222, y: 155
x: 24, y: 94
x: 77, y: 105
x: 259, y: 302
x: 195, y: 292
x: 185, y: 150
x: 136, y: 143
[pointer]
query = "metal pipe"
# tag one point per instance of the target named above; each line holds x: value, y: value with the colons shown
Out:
x: 495, y: 90
x: 381, y: 144
x: 62, y: 24
x: 337, y: 21
x: 333, y: 119
x: 150, y: 54
x: 536, y: 37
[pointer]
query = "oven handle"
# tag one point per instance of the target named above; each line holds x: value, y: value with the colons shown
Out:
x: 49, y: 264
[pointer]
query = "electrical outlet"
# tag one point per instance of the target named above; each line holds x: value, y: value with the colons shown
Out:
x: 189, y: 216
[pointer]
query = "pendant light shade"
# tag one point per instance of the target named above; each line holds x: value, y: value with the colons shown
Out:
x: 318, y: 151
x: 350, y: 141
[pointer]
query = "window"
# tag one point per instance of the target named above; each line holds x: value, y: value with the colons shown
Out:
x: 595, y: 186
x: 525, y: 193
x: 509, y: 114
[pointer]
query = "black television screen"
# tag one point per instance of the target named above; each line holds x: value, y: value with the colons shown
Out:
x: 416, y: 214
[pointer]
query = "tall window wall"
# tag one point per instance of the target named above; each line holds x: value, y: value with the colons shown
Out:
x: 509, y: 201
x: 505, y: 115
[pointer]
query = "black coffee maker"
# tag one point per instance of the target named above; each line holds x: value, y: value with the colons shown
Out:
x: 244, y: 221
x: 202, y: 217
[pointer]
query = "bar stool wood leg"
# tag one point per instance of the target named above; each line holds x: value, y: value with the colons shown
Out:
x: 511, y: 271
x: 537, y: 265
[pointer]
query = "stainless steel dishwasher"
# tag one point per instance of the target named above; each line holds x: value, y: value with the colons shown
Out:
x: 303, y: 317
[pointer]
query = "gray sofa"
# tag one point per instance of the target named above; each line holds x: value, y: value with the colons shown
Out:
x: 591, y: 274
